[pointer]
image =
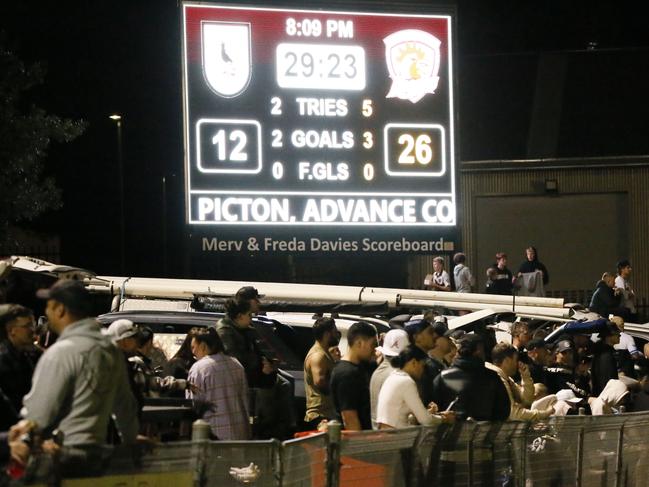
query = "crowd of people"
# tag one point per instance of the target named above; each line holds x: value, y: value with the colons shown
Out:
x: 427, y: 374
x: 529, y: 280
x: 86, y: 389
x: 613, y: 293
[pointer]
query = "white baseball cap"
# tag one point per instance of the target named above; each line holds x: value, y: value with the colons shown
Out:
x: 394, y: 342
x: 120, y: 329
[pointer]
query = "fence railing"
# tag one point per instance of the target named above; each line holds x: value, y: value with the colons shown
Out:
x: 570, y: 450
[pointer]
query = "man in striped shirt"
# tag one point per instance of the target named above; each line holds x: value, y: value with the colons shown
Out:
x: 220, y: 383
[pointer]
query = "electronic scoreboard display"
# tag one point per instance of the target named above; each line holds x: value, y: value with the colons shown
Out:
x: 316, y: 117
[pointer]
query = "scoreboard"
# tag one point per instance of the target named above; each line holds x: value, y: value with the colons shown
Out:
x: 318, y: 118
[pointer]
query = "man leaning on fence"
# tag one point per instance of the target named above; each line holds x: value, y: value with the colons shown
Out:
x: 79, y: 383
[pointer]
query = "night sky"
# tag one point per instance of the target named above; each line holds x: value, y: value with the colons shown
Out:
x: 124, y: 56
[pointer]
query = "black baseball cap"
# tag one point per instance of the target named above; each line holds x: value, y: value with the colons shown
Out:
x: 441, y: 328
x: 536, y: 343
x: 248, y: 293
x: 563, y: 346
x: 72, y: 294
x: 416, y: 326
x: 611, y: 329
x: 469, y: 343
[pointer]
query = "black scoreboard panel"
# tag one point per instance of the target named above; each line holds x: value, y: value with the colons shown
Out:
x: 318, y: 118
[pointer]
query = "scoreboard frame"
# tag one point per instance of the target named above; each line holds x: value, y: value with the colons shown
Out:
x: 405, y: 197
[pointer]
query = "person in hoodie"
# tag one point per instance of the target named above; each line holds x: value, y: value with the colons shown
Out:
x: 606, y: 298
x: 18, y: 357
x: 462, y: 276
x: 472, y: 391
x: 533, y: 264
x: 79, y: 382
x: 469, y: 388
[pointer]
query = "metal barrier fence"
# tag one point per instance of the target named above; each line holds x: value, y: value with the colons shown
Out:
x: 562, y: 451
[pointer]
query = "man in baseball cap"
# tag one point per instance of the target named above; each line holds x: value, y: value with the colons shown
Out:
x: 80, y: 381
x: 250, y: 294
x: 124, y: 333
x: 562, y: 371
x: 394, y: 342
x: 423, y: 336
x: 66, y: 298
x: 539, y: 355
x: 444, y: 350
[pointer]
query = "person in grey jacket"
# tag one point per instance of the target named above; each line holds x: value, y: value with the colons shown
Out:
x: 462, y: 276
x: 81, y: 380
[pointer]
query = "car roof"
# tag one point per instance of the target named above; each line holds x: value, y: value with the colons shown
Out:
x: 141, y: 316
x: 343, y: 322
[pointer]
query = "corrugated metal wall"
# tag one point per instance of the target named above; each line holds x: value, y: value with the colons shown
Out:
x: 629, y: 175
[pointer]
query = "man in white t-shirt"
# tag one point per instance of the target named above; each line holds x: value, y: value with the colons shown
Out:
x: 622, y: 282
x: 439, y: 279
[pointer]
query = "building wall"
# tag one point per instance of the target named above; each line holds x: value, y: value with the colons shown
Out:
x: 612, y: 186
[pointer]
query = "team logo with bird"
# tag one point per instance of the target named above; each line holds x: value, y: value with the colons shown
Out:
x: 413, y: 58
x: 227, y: 65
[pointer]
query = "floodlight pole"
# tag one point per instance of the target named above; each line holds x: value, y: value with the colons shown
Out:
x: 120, y: 169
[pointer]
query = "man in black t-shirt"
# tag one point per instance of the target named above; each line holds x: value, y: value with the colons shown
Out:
x: 350, y: 379
x: 500, y: 277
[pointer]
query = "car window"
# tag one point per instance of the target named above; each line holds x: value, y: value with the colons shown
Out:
x: 278, y: 340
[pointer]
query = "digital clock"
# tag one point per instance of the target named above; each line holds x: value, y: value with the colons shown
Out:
x: 315, y: 118
x: 320, y: 66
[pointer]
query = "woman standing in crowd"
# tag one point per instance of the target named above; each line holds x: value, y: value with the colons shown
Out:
x: 179, y: 365
x: 399, y: 396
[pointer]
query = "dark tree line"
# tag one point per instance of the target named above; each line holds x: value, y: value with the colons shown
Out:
x: 26, y: 133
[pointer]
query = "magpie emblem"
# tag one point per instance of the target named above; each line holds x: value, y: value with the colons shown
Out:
x: 227, y: 62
